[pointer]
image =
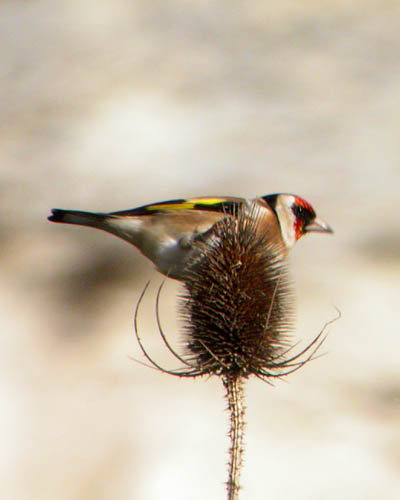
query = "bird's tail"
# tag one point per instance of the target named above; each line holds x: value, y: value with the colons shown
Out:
x: 77, y: 217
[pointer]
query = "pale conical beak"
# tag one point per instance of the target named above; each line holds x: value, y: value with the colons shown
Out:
x: 318, y: 226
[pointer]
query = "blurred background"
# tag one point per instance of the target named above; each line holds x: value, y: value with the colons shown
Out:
x: 110, y: 104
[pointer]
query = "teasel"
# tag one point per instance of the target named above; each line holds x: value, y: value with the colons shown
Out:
x: 237, y: 309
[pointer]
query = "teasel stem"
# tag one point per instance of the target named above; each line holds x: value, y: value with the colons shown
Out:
x: 234, y: 387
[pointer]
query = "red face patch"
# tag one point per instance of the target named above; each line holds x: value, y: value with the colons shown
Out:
x: 303, y: 203
x: 304, y: 214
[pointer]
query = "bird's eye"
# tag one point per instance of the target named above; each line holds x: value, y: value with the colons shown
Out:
x: 298, y: 210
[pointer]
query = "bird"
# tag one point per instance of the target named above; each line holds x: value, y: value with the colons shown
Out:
x: 166, y: 232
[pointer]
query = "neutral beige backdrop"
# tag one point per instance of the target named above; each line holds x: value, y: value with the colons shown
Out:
x: 107, y: 105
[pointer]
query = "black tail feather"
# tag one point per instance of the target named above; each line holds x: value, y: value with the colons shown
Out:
x: 77, y: 217
x: 57, y: 215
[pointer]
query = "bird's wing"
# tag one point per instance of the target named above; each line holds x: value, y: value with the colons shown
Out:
x: 209, y: 204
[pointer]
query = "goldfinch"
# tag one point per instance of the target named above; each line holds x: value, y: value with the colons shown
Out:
x: 165, y: 232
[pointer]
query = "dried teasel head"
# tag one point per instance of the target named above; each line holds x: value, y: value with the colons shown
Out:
x: 237, y: 306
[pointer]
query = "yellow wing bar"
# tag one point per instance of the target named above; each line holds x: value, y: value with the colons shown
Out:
x: 188, y: 204
x: 208, y: 201
x: 185, y: 205
x: 213, y: 204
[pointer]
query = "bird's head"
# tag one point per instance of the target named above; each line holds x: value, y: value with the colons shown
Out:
x: 296, y: 217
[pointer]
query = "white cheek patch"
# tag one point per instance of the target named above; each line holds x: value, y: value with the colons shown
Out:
x: 287, y: 221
